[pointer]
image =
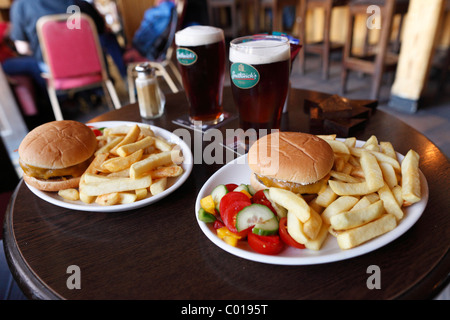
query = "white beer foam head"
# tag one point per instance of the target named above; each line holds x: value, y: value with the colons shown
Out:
x: 198, y: 35
x: 259, y: 52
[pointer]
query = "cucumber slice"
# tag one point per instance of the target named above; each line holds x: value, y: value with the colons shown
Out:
x: 217, y: 194
x: 205, y: 216
x: 281, y: 211
x: 251, y: 215
x: 242, y: 187
x: 251, y: 190
x: 267, y: 228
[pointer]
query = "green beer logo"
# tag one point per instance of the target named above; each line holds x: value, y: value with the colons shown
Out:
x: 243, y: 75
x: 186, y: 56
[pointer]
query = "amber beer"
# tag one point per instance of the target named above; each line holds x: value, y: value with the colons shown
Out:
x: 259, y: 74
x: 201, y: 59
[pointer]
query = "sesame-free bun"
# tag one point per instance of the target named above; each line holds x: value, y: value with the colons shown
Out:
x: 58, y: 144
x: 291, y: 156
x: 52, y: 185
x: 54, y: 154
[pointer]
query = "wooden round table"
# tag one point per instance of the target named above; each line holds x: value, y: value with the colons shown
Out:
x: 159, y: 251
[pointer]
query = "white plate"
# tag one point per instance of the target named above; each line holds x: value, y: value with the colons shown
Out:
x: 237, y: 171
x: 173, y: 184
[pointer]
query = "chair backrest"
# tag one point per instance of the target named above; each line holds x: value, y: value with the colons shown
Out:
x: 70, y: 47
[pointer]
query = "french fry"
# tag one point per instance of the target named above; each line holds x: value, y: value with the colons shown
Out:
x: 86, y: 199
x: 387, y: 148
x: 140, y: 168
x: 163, y: 144
x: 91, y: 178
x: 158, y: 186
x: 326, y: 196
x: 130, y: 137
x: 372, y: 171
x: 338, y: 146
x: 371, y: 144
x: 124, y: 129
x: 71, y: 194
x: 364, y: 202
x: 312, y: 226
x: 115, y: 185
x: 96, y: 163
x: 379, y: 155
x: 126, y: 197
x: 109, y: 145
x: 350, y: 189
x: 292, y: 202
x: 108, y: 199
x: 327, y: 136
x: 318, y: 241
x: 397, y: 192
x: 410, y: 178
x: 390, y: 203
x: 168, y: 171
x: 339, y: 205
x: 350, y: 142
x: 353, y: 237
x: 389, y: 174
x: 128, y: 149
x: 141, y: 193
x: 120, y: 163
x: 355, y: 218
x: 295, y: 228
x: 344, y: 177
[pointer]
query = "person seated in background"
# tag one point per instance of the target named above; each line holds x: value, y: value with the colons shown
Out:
x: 24, y: 15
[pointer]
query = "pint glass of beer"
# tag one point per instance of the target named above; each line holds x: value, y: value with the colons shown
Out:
x: 201, y: 59
x: 259, y: 72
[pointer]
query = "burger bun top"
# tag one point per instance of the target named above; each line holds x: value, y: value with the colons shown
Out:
x: 57, y: 145
x: 291, y: 156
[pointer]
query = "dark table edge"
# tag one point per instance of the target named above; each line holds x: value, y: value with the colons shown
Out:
x: 26, y: 279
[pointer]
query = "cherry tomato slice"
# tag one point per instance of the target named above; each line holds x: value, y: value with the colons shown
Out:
x: 229, y: 214
x: 218, y: 224
x: 231, y: 197
x: 260, y: 197
x: 270, y: 245
x: 286, y: 237
x: 231, y: 186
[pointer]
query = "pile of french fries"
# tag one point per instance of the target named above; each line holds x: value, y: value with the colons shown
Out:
x: 363, y: 196
x: 130, y: 164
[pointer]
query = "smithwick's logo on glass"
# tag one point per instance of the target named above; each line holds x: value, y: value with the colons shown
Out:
x: 243, y: 75
x: 186, y: 57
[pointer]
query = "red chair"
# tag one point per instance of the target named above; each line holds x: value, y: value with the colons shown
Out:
x: 72, y: 52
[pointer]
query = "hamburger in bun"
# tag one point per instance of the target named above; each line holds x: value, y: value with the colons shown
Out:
x: 54, y: 155
x: 295, y: 161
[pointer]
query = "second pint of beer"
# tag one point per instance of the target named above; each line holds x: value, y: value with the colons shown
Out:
x: 201, y: 58
x: 259, y: 74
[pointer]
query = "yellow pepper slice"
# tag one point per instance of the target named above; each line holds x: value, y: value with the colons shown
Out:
x: 228, y: 236
x: 207, y: 203
x: 246, y: 193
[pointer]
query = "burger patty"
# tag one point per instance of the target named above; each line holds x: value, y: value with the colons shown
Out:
x: 292, y: 186
x: 55, y: 174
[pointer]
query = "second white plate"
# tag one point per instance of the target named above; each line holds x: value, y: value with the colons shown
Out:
x: 237, y: 171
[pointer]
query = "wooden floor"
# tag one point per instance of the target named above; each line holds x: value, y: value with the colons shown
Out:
x: 432, y: 119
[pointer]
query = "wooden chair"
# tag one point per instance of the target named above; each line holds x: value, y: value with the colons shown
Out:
x: 276, y: 7
x: 383, y: 60
x: 216, y: 8
x: 326, y: 46
x: 74, y: 58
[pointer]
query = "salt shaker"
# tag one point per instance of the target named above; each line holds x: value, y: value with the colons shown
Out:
x: 151, y: 100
